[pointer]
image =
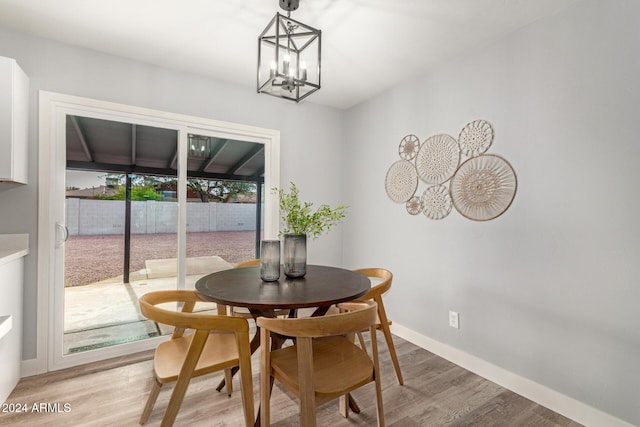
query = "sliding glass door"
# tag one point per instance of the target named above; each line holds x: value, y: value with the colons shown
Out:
x: 141, y: 203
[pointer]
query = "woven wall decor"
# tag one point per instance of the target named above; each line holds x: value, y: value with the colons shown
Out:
x: 436, y: 202
x: 409, y: 146
x: 483, y: 187
x: 475, y: 138
x: 414, y: 205
x: 401, y: 181
x: 438, y: 159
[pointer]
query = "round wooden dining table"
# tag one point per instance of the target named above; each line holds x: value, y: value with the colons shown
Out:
x: 320, y: 288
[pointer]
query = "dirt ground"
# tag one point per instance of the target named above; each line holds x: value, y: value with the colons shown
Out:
x: 89, y: 259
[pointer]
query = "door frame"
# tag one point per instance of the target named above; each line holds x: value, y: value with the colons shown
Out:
x: 53, y: 108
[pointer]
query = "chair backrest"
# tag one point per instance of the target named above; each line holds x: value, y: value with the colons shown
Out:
x: 354, y: 317
x: 248, y: 263
x: 186, y: 319
x: 182, y: 362
x: 323, y: 369
x: 385, y: 275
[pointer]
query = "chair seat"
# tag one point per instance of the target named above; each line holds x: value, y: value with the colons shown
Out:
x: 219, y: 352
x: 338, y: 365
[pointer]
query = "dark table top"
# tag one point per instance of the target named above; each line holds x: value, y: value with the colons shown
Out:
x: 321, y: 286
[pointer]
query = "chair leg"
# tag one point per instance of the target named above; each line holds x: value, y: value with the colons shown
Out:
x: 222, y: 310
x: 306, y: 389
x: 361, y: 341
x: 175, y: 402
x: 343, y: 405
x: 151, y: 401
x: 228, y: 380
x: 384, y: 324
x: 392, y: 353
x: 184, y: 377
x: 265, y: 378
x: 246, y: 381
x: 376, y: 370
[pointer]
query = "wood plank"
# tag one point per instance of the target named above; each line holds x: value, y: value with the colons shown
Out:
x: 436, y: 393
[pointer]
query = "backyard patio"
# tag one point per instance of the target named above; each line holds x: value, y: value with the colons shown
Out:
x: 93, y: 274
x: 96, y: 258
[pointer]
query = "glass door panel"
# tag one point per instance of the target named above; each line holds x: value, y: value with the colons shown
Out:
x: 223, y: 179
x: 122, y: 230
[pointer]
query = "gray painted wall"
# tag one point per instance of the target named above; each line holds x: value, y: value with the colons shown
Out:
x: 550, y: 289
x: 310, y: 135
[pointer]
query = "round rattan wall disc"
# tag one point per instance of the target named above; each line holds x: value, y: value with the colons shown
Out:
x: 409, y: 147
x: 414, y: 205
x: 438, y: 159
x: 401, y: 181
x: 436, y: 202
x: 483, y: 187
x: 475, y: 138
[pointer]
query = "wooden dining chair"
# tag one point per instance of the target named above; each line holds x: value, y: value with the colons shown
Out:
x: 323, y: 364
x: 382, y: 322
x: 248, y: 263
x: 217, y: 343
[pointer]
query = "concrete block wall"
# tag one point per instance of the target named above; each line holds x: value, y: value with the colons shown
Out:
x: 72, y: 212
x: 166, y: 218
x: 213, y: 216
x: 198, y: 217
x: 100, y: 217
x: 91, y: 217
x: 138, y: 218
x: 236, y: 216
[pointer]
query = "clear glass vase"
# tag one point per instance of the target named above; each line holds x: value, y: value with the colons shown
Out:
x: 295, y: 255
x: 270, y: 260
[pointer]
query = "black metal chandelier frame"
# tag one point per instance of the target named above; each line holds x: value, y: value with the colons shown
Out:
x: 288, y: 39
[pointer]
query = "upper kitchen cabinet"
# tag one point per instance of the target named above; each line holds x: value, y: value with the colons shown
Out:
x: 14, y: 121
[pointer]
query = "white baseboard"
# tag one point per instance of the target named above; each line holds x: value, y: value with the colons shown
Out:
x: 31, y: 367
x: 557, y: 402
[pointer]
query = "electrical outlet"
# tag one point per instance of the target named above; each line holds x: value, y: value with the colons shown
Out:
x: 454, y: 319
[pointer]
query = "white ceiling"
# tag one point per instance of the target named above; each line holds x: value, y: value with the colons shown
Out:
x: 368, y: 46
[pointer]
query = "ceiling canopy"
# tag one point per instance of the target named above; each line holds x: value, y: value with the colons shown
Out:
x: 109, y: 146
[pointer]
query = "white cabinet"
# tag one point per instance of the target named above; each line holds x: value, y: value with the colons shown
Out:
x: 13, y: 248
x: 14, y: 126
x: 11, y: 325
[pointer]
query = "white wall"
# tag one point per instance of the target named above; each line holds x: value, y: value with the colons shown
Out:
x: 548, y: 291
x: 310, y: 135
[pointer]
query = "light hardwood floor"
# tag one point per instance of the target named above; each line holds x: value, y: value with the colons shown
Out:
x: 436, y: 393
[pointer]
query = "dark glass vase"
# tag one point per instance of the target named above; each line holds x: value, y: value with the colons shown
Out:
x: 295, y: 255
x: 270, y: 260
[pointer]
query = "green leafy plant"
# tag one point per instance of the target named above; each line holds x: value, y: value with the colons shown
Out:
x: 299, y: 218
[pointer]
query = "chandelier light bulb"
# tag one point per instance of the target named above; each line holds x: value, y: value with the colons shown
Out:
x: 285, y: 64
x: 274, y: 67
x: 303, y: 68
